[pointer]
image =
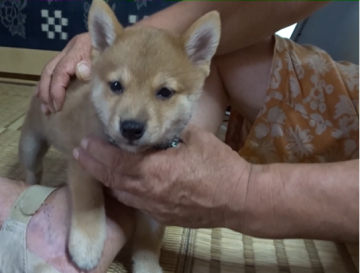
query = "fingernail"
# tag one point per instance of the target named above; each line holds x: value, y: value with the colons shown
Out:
x: 55, y: 106
x: 76, y: 153
x: 50, y: 109
x: 84, y: 143
x: 83, y: 70
x: 44, y: 108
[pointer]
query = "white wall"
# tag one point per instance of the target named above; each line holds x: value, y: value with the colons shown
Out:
x: 286, y: 32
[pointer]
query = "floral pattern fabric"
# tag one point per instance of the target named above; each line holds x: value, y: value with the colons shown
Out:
x: 310, y: 114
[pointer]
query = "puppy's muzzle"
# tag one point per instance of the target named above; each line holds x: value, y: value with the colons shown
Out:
x: 132, y: 129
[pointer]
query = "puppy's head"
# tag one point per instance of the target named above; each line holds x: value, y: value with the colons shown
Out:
x: 146, y: 81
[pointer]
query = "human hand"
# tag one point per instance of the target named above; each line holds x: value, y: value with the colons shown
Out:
x: 74, y: 59
x: 199, y: 184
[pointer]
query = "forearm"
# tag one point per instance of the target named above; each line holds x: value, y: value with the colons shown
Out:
x: 314, y: 201
x: 210, y: 109
x: 243, y: 23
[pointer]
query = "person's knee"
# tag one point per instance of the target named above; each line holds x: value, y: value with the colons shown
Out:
x: 9, y: 192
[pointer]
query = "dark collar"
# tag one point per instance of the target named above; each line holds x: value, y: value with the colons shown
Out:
x: 169, y: 144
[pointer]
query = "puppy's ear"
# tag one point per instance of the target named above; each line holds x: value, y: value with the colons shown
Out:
x: 103, y: 25
x: 202, y: 38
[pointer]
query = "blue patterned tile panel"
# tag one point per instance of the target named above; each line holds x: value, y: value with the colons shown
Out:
x: 50, y: 24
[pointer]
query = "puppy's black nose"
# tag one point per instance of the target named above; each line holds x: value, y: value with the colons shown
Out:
x: 132, y: 129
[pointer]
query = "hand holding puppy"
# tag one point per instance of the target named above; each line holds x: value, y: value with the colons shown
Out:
x: 56, y: 75
x: 201, y: 183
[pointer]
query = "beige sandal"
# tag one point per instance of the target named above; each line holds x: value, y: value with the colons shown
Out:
x: 14, y: 256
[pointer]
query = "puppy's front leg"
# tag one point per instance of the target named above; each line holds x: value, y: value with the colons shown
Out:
x: 147, y: 244
x: 88, y: 223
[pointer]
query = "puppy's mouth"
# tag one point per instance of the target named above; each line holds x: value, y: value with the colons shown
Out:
x: 133, y: 146
x: 113, y: 142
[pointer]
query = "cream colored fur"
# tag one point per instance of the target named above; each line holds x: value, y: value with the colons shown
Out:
x: 144, y: 60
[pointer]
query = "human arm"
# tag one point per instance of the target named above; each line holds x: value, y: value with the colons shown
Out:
x: 243, y: 23
x: 203, y: 184
x: 313, y: 201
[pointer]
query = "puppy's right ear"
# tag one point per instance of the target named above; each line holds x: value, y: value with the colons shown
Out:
x: 202, y: 38
x: 104, y: 27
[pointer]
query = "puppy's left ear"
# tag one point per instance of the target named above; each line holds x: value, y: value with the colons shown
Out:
x: 104, y: 27
x: 202, y: 38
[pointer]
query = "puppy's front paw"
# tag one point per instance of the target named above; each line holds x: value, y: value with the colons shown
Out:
x: 86, y: 246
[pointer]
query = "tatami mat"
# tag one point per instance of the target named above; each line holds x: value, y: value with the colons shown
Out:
x: 186, y: 250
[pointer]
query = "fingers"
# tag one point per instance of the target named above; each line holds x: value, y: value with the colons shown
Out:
x: 112, y: 157
x: 60, y: 80
x: 77, y: 62
x: 43, y: 88
x: 101, y: 150
x: 108, y: 176
x: 95, y: 168
x: 44, y: 109
x: 83, y: 70
x: 129, y: 199
x: 62, y: 74
x: 189, y: 133
x: 55, y: 78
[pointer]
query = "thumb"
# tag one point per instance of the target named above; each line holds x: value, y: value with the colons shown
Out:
x: 190, y: 133
x: 127, y: 199
x: 95, y: 168
x: 107, y: 176
x: 83, y: 70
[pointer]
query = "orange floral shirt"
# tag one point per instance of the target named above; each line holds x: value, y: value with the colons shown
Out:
x: 311, y: 111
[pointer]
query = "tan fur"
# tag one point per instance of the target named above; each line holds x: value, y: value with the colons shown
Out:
x: 144, y: 60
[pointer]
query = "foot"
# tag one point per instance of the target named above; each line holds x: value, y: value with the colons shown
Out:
x: 86, y: 241
x: 48, y: 230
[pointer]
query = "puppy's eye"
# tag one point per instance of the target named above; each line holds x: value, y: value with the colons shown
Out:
x: 164, y: 93
x: 116, y: 87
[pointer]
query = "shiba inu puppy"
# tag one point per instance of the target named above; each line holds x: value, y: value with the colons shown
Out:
x: 144, y: 86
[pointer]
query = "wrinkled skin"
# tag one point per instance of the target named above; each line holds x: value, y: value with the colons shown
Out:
x: 179, y: 186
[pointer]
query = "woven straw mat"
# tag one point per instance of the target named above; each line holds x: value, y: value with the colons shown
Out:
x: 185, y: 250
